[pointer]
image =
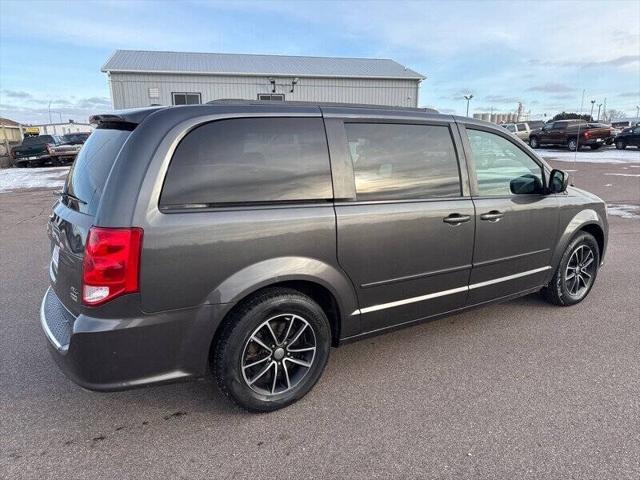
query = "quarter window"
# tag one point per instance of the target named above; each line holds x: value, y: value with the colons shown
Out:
x: 396, y: 161
x: 186, y: 98
x: 498, y: 161
x: 250, y: 160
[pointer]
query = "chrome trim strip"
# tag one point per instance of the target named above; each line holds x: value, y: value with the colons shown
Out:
x: 45, y: 327
x: 421, y: 298
x: 406, y: 301
x: 512, y: 257
x: 416, y: 276
x: 508, y: 277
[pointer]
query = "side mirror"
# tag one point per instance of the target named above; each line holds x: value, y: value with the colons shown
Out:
x: 558, y: 181
x: 525, y: 184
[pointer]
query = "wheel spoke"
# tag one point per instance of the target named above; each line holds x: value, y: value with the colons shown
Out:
x: 286, y: 374
x: 286, y: 335
x: 261, y: 373
x: 571, y: 275
x: 587, y: 274
x: 261, y: 343
x: 300, y: 350
x: 275, y: 378
x: 295, y: 339
x: 298, y: 362
x: 588, y: 262
x: 275, y: 339
x: 257, y: 363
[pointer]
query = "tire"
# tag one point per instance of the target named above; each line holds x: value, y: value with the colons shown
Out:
x: 562, y: 289
x: 594, y: 147
x: 573, y: 145
x: 620, y: 145
x: 271, y: 335
x: 534, y: 142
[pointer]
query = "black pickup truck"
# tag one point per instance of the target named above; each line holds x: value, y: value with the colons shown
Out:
x: 573, y: 134
x: 35, y: 151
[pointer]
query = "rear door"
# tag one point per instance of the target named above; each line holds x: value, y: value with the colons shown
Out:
x: 515, y: 233
x: 405, y: 220
x: 74, y: 213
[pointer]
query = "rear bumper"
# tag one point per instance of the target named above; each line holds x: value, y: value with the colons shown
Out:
x: 117, y: 354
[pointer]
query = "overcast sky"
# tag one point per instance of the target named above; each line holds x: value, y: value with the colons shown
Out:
x: 543, y: 53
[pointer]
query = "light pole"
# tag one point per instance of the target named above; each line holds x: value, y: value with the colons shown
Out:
x: 637, y: 113
x: 599, y: 105
x: 593, y: 102
x: 50, y: 112
x: 468, y: 99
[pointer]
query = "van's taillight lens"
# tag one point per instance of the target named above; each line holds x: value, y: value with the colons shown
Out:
x: 111, y: 265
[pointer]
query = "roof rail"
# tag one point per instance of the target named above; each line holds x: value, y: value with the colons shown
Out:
x: 240, y: 101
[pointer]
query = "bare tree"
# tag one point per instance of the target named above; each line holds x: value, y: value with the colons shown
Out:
x: 613, y: 114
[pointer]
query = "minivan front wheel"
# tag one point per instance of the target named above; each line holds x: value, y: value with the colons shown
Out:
x: 576, y: 273
x: 272, y: 350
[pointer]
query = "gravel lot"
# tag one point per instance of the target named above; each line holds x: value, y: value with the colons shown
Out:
x: 517, y: 390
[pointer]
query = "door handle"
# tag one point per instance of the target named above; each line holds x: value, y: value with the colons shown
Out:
x: 492, y: 216
x: 456, y: 219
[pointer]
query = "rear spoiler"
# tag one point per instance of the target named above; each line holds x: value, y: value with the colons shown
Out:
x: 124, y: 118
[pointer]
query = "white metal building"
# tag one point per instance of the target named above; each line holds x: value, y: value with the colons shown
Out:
x: 62, y: 128
x: 142, y: 78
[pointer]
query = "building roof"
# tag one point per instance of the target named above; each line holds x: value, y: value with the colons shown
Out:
x: 256, y: 65
x: 8, y: 123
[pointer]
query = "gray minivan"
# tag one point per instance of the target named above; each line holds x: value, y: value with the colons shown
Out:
x: 247, y: 238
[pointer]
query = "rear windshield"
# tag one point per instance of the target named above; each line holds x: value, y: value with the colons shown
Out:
x: 91, y: 168
x: 39, y: 140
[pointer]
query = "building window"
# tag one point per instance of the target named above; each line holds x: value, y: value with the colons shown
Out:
x: 278, y: 97
x: 186, y: 98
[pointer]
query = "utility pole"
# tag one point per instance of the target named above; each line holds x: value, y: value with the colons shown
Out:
x: 468, y: 99
x: 593, y: 102
x: 637, y: 113
x: 50, y: 112
x: 598, y: 119
x: 604, y: 110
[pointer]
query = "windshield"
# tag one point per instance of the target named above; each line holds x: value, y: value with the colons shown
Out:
x: 39, y: 140
x: 91, y: 168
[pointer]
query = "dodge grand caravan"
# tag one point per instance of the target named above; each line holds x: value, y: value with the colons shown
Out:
x: 247, y: 238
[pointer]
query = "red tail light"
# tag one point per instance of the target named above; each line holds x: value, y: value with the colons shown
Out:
x: 111, y: 265
x: 587, y: 134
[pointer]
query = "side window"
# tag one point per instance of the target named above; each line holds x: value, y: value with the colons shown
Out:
x: 511, y: 127
x: 395, y: 161
x: 559, y: 125
x: 498, y: 162
x: 250, y: 160
x: 522, y: 127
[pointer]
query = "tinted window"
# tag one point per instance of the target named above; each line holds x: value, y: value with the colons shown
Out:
x: 393, y: 161
x: 522, y: 127
x: 498, y: 161
x: 250, y: 160
x: 39, y: 140
x: 91, y: 168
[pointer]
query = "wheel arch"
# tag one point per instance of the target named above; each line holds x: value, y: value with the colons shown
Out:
x: 324, y: 283
x: 587, y: 220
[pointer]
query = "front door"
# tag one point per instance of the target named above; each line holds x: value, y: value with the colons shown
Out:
x: 515, y: 232
x: 406, y: 240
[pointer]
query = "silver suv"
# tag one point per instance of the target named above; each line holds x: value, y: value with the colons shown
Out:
x: 250, y: 237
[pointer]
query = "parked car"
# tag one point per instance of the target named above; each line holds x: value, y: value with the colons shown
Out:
x: 69, y: 148
x: 250, y: 237
x: 629, y: 137
x: 34, y: 150
x: 520, y: 130
x: 573, y: 134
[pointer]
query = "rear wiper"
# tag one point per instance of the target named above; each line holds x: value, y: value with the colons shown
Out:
x: 62, y: 193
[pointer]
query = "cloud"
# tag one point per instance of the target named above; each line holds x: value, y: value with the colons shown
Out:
x: 501, y: 99
x: 551, y: 88
x: 629, y: 95
x: 29, y: 109
x: 621, y: 61
x: 16, y: 94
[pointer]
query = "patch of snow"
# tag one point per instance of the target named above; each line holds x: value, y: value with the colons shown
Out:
x: 624, y: 174
x: 592, y: 156
x: 624, y: 211
x: 12, y: 179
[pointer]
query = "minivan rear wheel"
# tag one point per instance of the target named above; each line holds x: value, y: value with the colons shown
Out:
x: 272, y: 350
x: 576, y: 273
